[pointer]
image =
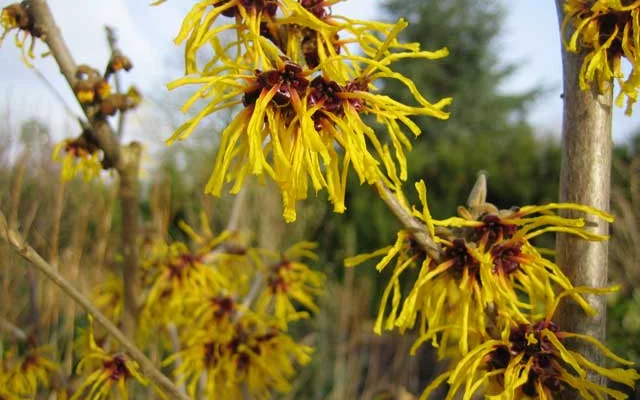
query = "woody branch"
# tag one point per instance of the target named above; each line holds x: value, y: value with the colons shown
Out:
x: 124, y: 159
x: 585, y: 178
x: 14, y: 239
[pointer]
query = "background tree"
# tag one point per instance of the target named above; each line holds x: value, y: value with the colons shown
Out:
x: 487, y: 130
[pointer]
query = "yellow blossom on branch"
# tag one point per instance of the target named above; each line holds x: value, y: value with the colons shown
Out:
x: 302, y: 93
x: 81, y: 158
x: 172, y: 272
x: 17, y: 16
x: 489, y: 275
x: 530, y: 360
x: 5, y: 393
x: 241, y: 346
x: 610, y: 31
x: 29, y: 373
x: 106, y: 372
x: 290, y: 280
x: 256, y: 358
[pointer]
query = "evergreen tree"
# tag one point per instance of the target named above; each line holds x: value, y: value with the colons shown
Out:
x: 487, y: 129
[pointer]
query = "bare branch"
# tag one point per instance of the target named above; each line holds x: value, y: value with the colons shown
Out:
x: 60, y: 52
x: 126, y: 160
x: 17, y: 242
x: 175, y: 344
x: 239, y: 202
x: 113, y: 45
x: 11, y: 329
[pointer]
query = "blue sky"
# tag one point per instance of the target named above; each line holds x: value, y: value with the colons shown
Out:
x: 530, y: 39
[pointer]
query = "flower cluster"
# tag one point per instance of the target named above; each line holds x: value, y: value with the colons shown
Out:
x: 106, y: 371
x: 530, y: 360
x: 201, y: 297
x: 238, y: 354
x: 81, y: 157
x: 287, y: 280
x: 303, y: 94
x: 17, y: 16
x: 488, y: 281
x: 24, y: 375
x: 610, y: 31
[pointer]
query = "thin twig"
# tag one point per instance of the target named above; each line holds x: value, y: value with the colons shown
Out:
x: 55, y: 94
x: 418, y: 230
x: 250, y: 297
x: 239, y: 202
x: 126, y: 161
x: 239, y: 205
x: 129, y: 193
x: 113, y: 45
x: 17, y: 333
x: 175, y: 344
x: 17, y: 242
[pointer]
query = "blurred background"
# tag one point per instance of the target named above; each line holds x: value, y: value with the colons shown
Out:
x: 504, y: 73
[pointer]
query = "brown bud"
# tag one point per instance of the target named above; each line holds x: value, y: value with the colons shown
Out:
x: 17, y: 16
x: 111, y: 104
x: 102, y: 89
x: 118, y: 62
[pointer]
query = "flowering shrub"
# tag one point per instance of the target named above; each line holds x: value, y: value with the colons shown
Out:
x: 304, y: 85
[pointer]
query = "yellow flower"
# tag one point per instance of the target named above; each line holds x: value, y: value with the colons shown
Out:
x: 18, y: 17
x: 214, y: 315
x: 172, y: 273
x: 303, y: 94
x: 31, y: 373
x: 109, y: 296
x: 256, y: 358
x: 4, y: 388
x: 488, y: 276
x: 609, y: 30
x: 82, y: 158
x: 288, y: 281
x: 106, y: 372
x: 344, y: 93
x: 314, y: 34
x: 530, y: 360
x: 249, y: 15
